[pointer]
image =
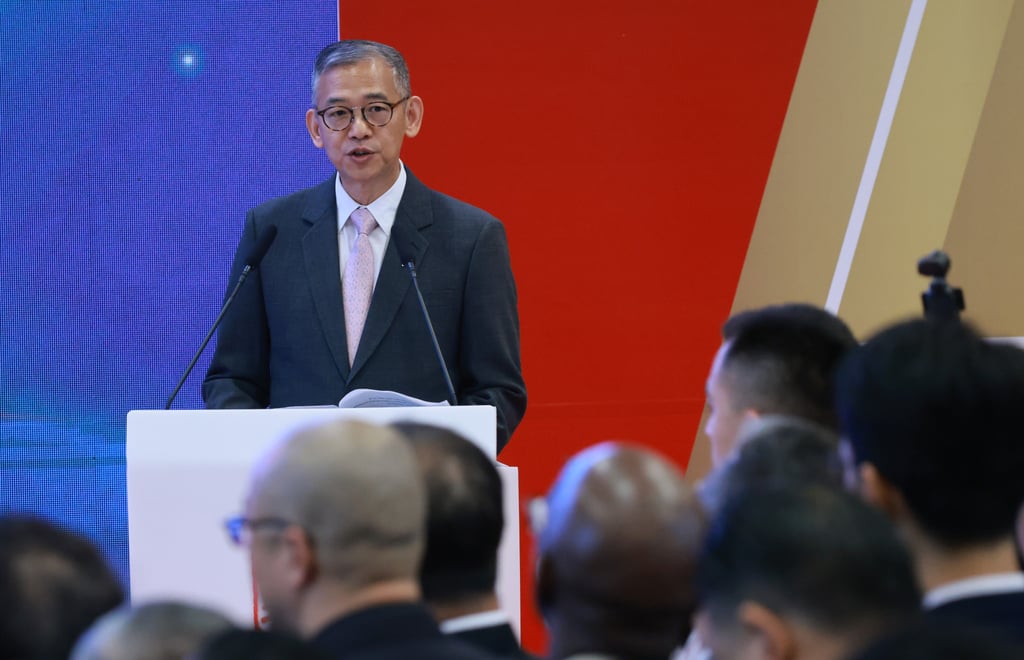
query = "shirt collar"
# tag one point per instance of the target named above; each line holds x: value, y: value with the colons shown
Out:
x: 384, y: 208
x: 982, y: 585
x: 473, y: 621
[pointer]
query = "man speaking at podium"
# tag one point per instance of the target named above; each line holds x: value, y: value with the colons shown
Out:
x: 332, y: 307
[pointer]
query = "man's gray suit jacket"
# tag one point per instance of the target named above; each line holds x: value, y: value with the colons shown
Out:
x: 283, y: 341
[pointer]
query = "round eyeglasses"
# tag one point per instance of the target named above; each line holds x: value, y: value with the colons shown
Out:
x: 377, y: 113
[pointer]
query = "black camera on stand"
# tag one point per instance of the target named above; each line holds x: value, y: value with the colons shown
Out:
x: 941, y: 301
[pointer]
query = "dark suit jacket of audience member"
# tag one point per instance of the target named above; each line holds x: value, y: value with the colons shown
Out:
x: 393, y: 632
x: 499, y: 640
x: 1001, y: 614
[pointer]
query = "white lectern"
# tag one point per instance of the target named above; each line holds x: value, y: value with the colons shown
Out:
x: 187, y: 472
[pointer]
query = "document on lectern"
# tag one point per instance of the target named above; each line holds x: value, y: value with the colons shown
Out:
x: 366, y: 398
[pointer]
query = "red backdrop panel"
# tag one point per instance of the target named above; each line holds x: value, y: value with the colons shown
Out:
x: 626, y: 147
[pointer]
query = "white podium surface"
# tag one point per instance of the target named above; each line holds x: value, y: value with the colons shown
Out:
x: 187, y: 471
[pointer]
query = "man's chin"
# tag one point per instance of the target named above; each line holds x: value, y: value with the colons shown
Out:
x: 369, y: 179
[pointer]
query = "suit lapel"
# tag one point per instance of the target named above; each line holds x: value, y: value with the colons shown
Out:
x: 320, y: 251
x: 393, y: 281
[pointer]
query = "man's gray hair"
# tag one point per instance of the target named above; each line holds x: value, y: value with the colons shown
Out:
x: 356, y: 490
x: 353, y: 51
x: 155, y: 631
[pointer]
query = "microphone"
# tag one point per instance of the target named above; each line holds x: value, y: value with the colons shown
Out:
x: 406, y: 250
x: 252, y: 261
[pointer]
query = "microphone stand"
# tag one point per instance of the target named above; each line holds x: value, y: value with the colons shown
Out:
x: 411, y: 265
x: 209, y: 335
x: 252, y: 260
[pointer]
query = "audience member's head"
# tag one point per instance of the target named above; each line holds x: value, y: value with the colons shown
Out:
x: 334, y: 522
x: 259, y: 645
x: 928, y: 641
x: 801, y: 573
x: 617, y: 553
x: 930, y: 417
x: 155, y: 631
x: 53, y: 585
x: 774, y: 360
x: 775, y: 451
x: 464, y: 521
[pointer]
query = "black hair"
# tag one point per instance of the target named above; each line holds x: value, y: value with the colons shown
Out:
x: 783, y: 359
x: 465, y: 517
x: 936, y: 409
x: 817, y: 553
x: 53, y: 585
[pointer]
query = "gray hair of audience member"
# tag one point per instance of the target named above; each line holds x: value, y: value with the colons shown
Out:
x: 355, y: 488
x: 775, y: 450
x: 617, y: 554
x: 54, y: 584
x: 465, y: 514
x: 155, y: 631
x: 354, y: 51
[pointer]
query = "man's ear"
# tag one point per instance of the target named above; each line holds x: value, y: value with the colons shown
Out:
x: 313, y: 126
x: 879, y: 493
x: 300, y: 559
x: 544, y: 585
x: 413, y: 116
x: 772, y: 637
x: 748, y: 421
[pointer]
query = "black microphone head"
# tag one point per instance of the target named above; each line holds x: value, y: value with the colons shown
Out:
x: 259, y: 250
x: 402, y: 239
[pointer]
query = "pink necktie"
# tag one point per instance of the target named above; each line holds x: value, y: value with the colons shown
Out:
x: 357, y: 285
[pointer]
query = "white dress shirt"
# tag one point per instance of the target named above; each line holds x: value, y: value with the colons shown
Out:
x: 383, y: 209
x: 982, y: 585
x: 473, y: 621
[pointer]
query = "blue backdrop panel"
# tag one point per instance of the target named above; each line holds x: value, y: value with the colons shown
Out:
x: 134, y: 136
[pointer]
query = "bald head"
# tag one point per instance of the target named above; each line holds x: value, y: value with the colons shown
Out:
x: 356, y: 491
x: 618, y: 552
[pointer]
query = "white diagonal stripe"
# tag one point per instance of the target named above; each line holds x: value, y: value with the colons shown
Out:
x: 874, y: 160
